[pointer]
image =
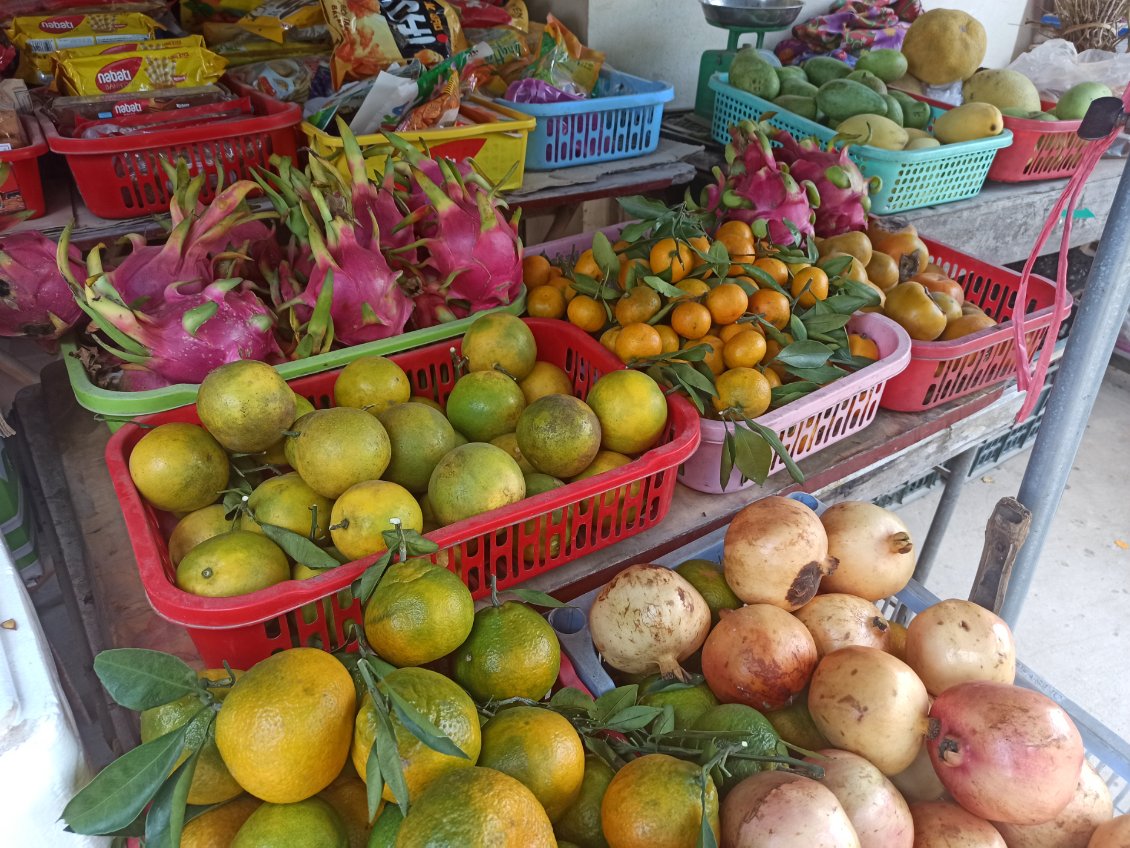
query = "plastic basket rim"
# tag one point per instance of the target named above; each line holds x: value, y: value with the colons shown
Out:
x: 518, y: 123
x: 36, y: 146
x: 198, y: 612
x: 827, y: 396
x: 116, y: 403
x: 272, y: 115
x: 662, y: 92
x: 719, y: 84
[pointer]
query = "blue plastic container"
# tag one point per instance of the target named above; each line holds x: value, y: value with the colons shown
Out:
x: 911, y: 178
x: 619, y: 121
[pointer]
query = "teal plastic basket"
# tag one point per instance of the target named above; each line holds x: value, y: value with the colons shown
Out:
x: 118, y: 407
x: 911, y: 178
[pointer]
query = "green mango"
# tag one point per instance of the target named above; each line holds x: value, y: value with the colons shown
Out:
x: 915, y: 113
x: 869, y: 80
x: 790, y: 72
x: 887, y: 65
x: 821, y: 69
x: 1077, y: 100
x: 894, y: 109
x: 751, y: 73
x: 841, y: 98
x: 798, y: 105
x: 801, y: 87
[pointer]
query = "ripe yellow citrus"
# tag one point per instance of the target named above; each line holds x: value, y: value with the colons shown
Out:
x: 772, y: 306
x: 246, y: 405
x: 545, y: 379
x: 511, y: 652
x: 348, y: 797
x: 312, y: 823
x: 587, y: 313
x: 737, y: 236
x: 637, y: 341
x: 179, y: 467
x: 611, y: 503
x: 545, y: 302
x: 197, y: 527
x: 419, y: 437
x: 500, y: 340
x: 365, y: 511
x: 693, y: 286
x: 372, y: 383
x: 418, y: 613
x: 539, y: 748
x: 668, y: 338
x: 284, y: 729
x: 713, y: 359
x: 485, y: 404
x: 286, y: 501
x: 656, y: 802
x: 727, y: 303
x: 559, y: 435
x: 337, y: 448
x: 476, y: 807
x: 639, y: 304
x: 609, y: 336
x: 632, y: 410
x: 535, y: 270
x: 809, y: 285
x: 232, y: 563
x: 860, y: 345
x: 671, y: 256
x: 744, y: 350
x: 509, y: 443
x: 743, y: 389
x: 472, y: 479
x: 219, y: 825
x: 447, y: 706
x: 690, y: 320
x: 586, y: 264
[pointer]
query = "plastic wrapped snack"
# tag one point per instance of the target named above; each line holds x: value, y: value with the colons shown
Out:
x: 562, y: 61
x: 194, y: 14
x: 294, y: 80
x: 274, y: 19
x: 37, y: 37
x: 67, y: 112
x: 138, y: 70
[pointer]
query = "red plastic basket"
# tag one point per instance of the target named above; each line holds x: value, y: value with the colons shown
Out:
x: 942, y: 371
x: 122, y: 177
x: 23, y: 190
x: 319, y: 612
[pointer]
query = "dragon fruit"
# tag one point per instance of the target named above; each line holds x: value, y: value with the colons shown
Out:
x: 35, y: 299
x: 760, y: 190
x: 843, y: 190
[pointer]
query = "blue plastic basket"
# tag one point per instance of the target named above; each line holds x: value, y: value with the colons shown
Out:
x: 619, y: 121
x: 911, y: 178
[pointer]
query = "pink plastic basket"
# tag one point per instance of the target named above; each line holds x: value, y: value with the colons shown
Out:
x: 815, y: 421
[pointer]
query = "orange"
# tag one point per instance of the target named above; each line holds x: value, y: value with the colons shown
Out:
x: 699, y: 244
x: 511, y: 652
x: 476, y: 807
x: 535, y: 270
x: 545, y: 379
x: 772, y: 376
x: 608, y: 338
x: 564, y: 285
x: 677, y: 258
x: 372, y: 383
x: 738, y: 238
x: 637, y: 341
x: 860, y: 345
x: 640, y: 304
x: 739, y: 263
x: 498, y: 340
x: 219, y: 825
x: 545, y: 302
x: 771, y: 305
x: 743, y: 389
x: 541, y: 749
x: 642, y: 270
x: 775, y: 268
x: 693, y: 286
x: 485, y: 404
x: 744, y: 350
x: 586, y: 264
x: 632, y: 410
x: 312, y: 822
x: 730, y: 330
x: 443, y: 703
x: 620, y: 245
x: 587, y: 313
x: 727, y: 303
x: 656, y: 801
x: 179, y: 467
x: 690, y: 320
x: 668, y: 337
x: 809, y: 285
x: 580, y: 823
x: 713, y: 359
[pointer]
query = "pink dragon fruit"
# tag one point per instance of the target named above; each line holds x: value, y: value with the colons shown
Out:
x: 474, y: 255
x: 843, y: 190
x: 35, y: 299
x: 760, y: 190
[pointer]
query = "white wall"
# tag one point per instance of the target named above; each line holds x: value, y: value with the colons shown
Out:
x: 663, y: 39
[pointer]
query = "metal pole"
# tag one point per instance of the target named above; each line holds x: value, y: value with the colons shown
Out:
x: 957, y: 472
x: 1085, y: 358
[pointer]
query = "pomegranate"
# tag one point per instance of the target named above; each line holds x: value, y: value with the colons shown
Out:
x: 837, y: 620
x: 1090, y: 806
x: 941, y: 824
x: 1112, y: 834
x: 874, y: 806
x: 958, y: 641
x: 775, y: 809
x: 873, y: 547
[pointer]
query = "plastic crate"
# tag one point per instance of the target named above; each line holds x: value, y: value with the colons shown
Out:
x: 620, y: 120
x: 910, y: 491
x: 911, y: 178
x: 496, y: 142
x: 118, y: 407
x: 943, y: 371
x: 1109, y: 754
x: 320, y: 612
x: 122, y: 177
x: 23, y: 190
x: 817, y: 420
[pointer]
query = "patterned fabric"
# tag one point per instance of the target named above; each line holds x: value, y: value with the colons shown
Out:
x: 850, y: 27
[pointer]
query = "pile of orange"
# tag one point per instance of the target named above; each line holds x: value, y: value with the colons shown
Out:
x: 728, y: 314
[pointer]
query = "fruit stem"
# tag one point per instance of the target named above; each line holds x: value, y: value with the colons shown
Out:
x: 901, y: 543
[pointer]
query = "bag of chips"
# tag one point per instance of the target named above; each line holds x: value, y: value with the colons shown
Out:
x: 37, y: 37
x: 139, y: 70
x: 562, y: 61
x: 275, y: 18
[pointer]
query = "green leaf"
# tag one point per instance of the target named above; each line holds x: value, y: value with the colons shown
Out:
x: 697, y: 353
x: 166, y: 817
x: 666, y: 722
x: 388, y: 755
x: 752, y: 454
x: 372, y: 575
x: 764, y: 279
x: 569, y: 698
x: 614, y: 700
x: 140, y: 679
x: 118, y: 793
x: 299, y: 548
x: 779, y: 448
x: 692, y: 378
x: 821, y: 375
x: 600, y: 748
x: 825, y: 323
x: 663, y: 287
x: 374, y: 780
x: 726, y: 466
x: 673, y: 684
x: 604, y: 255
x: 420, y: 726
x: 836, y: 266
x: 797, y: 328
x: 633, y: 718
x: 858, y: 289
x: 706, y: 832
x: 536, y: 598
x: 638, y: 206
x: 804, y: 354
x: 634, y: 231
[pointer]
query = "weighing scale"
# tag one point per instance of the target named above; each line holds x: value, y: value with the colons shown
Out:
x: 739, y: 17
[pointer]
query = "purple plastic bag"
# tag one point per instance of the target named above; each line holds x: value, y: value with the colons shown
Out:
x: 538, y: 91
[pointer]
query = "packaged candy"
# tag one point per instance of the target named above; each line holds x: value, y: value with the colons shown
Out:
x: 138, y: 70
x: 275, y: 18
x: 37, y: 37
x: 369, y: 35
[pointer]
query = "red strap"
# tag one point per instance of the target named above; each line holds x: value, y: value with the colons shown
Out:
x: 1030, y: 378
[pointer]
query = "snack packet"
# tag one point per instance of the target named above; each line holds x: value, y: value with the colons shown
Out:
x: 294, y: 80
x: 562, y: 61
x: 387, y: 32
x: 37, y: 37
x: 241, y: 47
x: 275, y: 18
x: 139, y: 70
x: 213, y: 113
x: 194, y: 14
x: 67, y: 112
x: 441, y: 109
x: 487, y: 14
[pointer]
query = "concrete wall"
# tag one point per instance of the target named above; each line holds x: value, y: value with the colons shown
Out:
x: 663, y: 39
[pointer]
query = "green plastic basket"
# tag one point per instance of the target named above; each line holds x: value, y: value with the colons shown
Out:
x: 118, y: 407
x: 911, y: 178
